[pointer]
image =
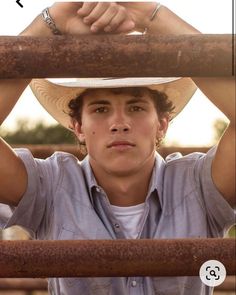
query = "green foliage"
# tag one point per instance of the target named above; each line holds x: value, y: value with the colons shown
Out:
x: 232, y: 232
x: 38, y: 134
x: 219, y: 128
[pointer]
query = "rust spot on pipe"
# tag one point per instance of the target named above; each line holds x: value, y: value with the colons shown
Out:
x: 102, y: 258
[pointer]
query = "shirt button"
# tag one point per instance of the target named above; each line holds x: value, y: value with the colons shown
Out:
x: 116, y: 225
x: 133, y: 283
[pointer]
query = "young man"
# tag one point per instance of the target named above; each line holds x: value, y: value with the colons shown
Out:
x: 123, y: 189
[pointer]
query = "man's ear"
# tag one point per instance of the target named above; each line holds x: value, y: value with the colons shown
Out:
x: 78, y: 131
x: 163, y: 126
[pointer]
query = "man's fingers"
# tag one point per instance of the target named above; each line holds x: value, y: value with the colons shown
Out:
x: 111, y: 19
x: 105, y: 16
x: 96, y: 13
x: 116, y: 20
x: 86, y: 8
x: 125, y: 27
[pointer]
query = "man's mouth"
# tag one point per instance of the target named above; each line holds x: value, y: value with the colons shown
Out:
x: 121, y: 145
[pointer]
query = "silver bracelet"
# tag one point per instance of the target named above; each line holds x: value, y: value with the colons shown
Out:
x: 155, y: 11
x: 153, y: 15
x: 50, y: 22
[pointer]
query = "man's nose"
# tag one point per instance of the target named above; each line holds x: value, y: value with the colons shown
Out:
x: 120, y: 127
x: 120, y: 123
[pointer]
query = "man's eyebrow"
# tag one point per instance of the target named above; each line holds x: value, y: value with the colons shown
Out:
x: 136, y: 100
x: 106, y: 102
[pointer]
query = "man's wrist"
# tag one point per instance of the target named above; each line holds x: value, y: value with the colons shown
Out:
x: 37, y: 28
x: 167, y: 22
x: 48, y: 20
x: 152, y: 17
x: 143, y: 19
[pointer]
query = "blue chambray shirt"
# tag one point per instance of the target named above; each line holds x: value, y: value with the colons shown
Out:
x: 63, y: 201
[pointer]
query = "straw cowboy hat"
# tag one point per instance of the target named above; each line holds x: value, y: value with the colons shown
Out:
x: 55, y: 97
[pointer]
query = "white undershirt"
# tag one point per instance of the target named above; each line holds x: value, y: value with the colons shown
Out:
x: 130, y: 218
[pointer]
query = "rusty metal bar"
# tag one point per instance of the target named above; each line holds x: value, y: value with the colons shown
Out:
x: 98, y: 258
x: 41, y: 285
x: 117, y: 56
x: 44, y: 151
x: 23, y: 284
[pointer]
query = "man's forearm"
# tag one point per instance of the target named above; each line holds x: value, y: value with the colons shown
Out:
x: 167, y: 22
x: 11, y: 89
x: 221, y: 91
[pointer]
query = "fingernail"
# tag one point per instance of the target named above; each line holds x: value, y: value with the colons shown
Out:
x: 94, y: 28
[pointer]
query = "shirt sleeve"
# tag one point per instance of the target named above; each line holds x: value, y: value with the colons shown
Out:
x: 35, y: 208
x: 221, y: 216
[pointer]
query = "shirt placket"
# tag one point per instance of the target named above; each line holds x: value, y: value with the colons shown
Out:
x: 134, y: 284
x: 109, y: 218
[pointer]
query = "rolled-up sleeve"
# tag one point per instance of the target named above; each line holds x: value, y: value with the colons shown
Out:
x: 221, y: 216
x: 34, y: 209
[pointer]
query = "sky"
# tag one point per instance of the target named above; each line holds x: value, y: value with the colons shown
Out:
x: 193, y: 127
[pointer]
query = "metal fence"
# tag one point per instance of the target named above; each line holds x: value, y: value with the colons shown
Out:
x: 187, y: 55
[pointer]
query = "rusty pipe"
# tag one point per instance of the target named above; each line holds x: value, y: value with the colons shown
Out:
x: 101, y: 258
x: 147, y: 55
x: 41, y: 284
x: 23, y: 284
x: 46, y: 150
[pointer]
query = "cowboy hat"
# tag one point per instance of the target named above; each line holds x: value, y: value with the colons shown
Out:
x: 54, y: 97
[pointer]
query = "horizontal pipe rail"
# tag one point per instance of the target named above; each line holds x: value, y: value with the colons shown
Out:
x: 229, y: 285
x: 117, y: 56
x: 23, y: 284
x: 44, y: 151
x: 102, y: 258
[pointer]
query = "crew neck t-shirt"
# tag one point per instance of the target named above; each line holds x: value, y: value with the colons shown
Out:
x: 130, y: 219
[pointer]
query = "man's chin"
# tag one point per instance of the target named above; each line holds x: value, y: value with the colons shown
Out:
x: 123, y: 168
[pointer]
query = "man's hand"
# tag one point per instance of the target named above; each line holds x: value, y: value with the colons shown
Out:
x: 140, y: 13
x: 76, y: 18
x: 106, y: 16
x: 66, y: 18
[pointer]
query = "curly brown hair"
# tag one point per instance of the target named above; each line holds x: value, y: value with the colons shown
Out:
x: 161, y: 101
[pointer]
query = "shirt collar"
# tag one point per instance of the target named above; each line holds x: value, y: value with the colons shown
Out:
x: 89, y: 177
x: 156, y: 182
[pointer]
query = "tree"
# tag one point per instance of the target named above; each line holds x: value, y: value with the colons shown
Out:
x: 38, y: 134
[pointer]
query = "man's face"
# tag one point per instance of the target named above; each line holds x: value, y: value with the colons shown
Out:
x: 120, y: 131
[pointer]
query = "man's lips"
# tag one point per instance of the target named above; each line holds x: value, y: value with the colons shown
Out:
x: 121, y: 143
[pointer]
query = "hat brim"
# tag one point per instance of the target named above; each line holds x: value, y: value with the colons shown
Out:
x: 55, y: 97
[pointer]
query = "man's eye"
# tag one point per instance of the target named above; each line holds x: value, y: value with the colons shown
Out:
x: 101, y: 110
x: 136, y: 109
